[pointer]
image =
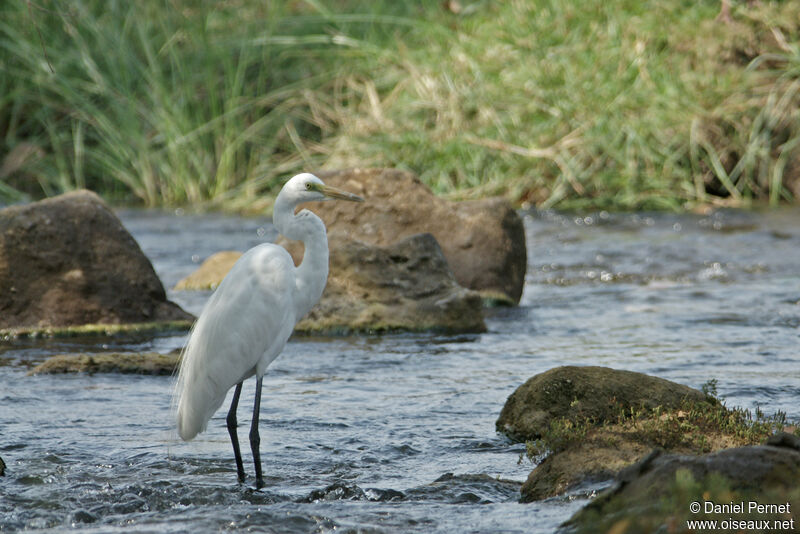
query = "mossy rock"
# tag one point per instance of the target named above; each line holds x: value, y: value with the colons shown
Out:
x: 583, y: 453
x: 656, y: 494
x: 585, y: 424
x: 586, y: 393
x: 145, y: 363
x: 95, y: 329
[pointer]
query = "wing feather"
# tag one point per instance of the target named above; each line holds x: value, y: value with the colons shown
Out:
x: 242, y: 329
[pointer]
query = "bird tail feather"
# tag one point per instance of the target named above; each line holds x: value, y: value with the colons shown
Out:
x: 197, y: 396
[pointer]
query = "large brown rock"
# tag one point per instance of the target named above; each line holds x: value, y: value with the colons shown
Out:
x: 483, y: 240
x: 581, y: 393
x: 69, y: 261
x: 405, y: 286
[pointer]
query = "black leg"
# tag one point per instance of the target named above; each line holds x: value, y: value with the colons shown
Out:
x: 231, y: 420
x: 255, y: 439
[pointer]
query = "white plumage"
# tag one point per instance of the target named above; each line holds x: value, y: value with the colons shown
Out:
x: 245, y: 324
x: 219, y: 354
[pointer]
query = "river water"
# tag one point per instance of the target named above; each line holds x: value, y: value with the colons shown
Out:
x: 395, y: 433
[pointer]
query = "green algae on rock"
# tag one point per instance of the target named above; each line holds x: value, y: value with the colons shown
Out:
x: 581, y: 393
x: 144, y: 363
x: 662, y: 492
x: 94, y: 329
x: 588, y: 423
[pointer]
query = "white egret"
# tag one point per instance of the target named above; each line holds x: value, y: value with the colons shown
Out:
x: 247, y: 321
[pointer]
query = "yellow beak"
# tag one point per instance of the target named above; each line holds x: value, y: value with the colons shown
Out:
x: 339, y: 194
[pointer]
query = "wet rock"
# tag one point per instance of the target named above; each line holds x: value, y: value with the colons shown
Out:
x: 483, y: 240
x: 2, y: 467
x: 146, y: 363
x: 590, y: 455
x: 594, y: 421
x: 465, y: 488
x: 580, y: 393
x: 405, y: 286
x: 448, y: 488
x: 211, y: 271
x: 656, y: 494
x: 82, y: 516
x: 99, y: 329
x: 593, y: 461
x: 350, y: 492
x: 68, y: 261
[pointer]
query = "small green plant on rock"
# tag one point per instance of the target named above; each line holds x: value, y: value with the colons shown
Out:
x: 692, y: 427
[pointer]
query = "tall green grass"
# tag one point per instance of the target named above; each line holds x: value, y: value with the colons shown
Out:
x: 171, y: 102
x: 623, y: 104
x: 617, y: 105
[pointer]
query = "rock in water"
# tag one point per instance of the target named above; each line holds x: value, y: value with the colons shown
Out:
x: 482, y: 240
x: 592, y: 422
x: 68, y: 261
x: 140, y: 363
x: 211, y: 271
x: 405, y: 286
x: 664, y: 491
x: 579, y: 393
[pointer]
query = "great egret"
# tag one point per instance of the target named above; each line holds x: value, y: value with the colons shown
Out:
x: 247, y: 321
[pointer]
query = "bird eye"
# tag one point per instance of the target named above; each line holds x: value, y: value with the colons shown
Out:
x: 308, y: 186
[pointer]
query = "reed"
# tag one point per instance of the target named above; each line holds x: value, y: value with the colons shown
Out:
x: 577, y: 105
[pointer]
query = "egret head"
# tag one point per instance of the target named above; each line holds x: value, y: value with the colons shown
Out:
x: 306, y: 187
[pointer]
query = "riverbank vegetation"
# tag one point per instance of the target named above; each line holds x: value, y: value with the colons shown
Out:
x: 574, y: 105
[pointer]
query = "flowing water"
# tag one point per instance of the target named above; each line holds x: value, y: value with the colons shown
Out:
x: 395, y: 433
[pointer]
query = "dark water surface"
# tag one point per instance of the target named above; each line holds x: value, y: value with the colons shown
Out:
x: 396, y: 433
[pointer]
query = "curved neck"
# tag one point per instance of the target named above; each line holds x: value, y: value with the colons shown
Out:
x: 312, y: 273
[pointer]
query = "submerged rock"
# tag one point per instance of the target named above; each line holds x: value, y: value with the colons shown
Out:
x: 211, y: 271
x: 482, y: 240
x: 339, y: 491
x: 449, y: 488
x: 144, y: 363
x: 467, y: 488
x: 663, y: 491
x: 405, y: 286
x: 68, y: 261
